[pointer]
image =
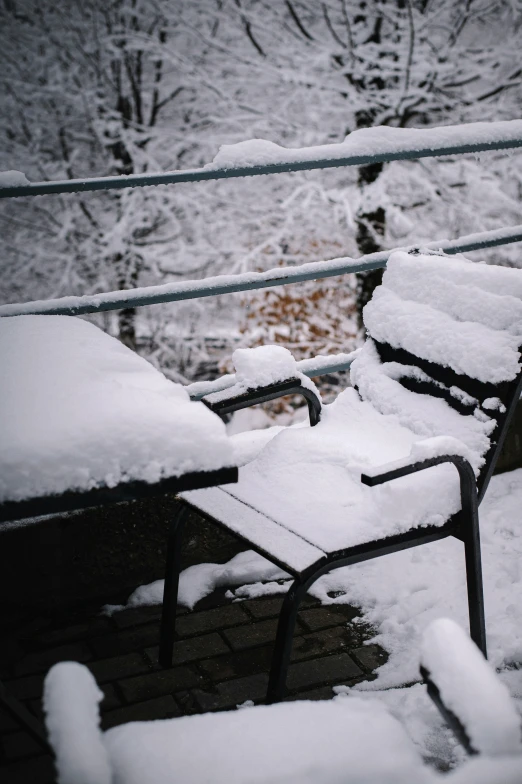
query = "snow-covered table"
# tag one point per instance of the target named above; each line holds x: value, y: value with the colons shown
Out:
x: 86, y: 421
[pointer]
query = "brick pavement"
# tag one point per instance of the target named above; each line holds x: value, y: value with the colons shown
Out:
x: 221, y: 659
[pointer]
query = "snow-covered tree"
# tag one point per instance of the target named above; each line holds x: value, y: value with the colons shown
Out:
x: 146, y: 85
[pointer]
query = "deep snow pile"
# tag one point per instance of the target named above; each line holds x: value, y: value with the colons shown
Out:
x: 78, y: 409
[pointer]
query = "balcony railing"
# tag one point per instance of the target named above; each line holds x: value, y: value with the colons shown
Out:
x: 362, y: 147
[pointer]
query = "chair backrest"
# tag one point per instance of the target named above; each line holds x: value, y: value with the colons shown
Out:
x: 443, y: 353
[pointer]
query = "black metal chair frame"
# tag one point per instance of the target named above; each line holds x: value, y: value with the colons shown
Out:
x: 463, y: 526
x: 251, y: 397
x: 451, y: 719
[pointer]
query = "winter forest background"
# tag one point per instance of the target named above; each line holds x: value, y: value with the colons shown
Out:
x: 99, y: 87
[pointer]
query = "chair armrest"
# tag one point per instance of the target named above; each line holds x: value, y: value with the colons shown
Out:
x: 235, y: 398
x: 71, y: 699
x: 468, y: 486
x: 399, y: 468
x: 467, y: 692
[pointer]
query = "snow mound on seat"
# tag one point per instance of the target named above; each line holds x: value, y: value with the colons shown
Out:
x: 425, y: 415
x: 470, y: 689
x: 79, y: 410
x: 442, y: 311
x: 344, y: 740
x: 71, y: 699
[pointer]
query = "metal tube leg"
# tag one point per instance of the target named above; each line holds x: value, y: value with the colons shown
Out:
x: 283, y: 643
x: 170, y: 590
x: 477, y: 624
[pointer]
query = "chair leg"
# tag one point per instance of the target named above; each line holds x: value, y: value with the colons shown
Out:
x: 283, y: 643
x: 477, y: 624
x: 170, y: 590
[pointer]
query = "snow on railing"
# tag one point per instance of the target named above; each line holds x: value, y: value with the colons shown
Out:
x: 255, y: 157
x: 258, y: 156
x: 246, y: 281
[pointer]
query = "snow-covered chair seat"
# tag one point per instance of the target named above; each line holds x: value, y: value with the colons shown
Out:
x: 347, y: 740
x: 435, y: 383
x: 84, y: 420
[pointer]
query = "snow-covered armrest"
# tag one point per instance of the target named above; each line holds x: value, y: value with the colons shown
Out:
x: 71, y: 698
x: 262, y: 374
x: 468, y: 693
x: 423, y: 454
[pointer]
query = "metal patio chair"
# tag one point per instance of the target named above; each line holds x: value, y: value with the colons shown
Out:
x: 349, y: 739
x: 441, y: 360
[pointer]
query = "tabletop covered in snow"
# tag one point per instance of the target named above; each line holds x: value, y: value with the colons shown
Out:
x: 79, y: 410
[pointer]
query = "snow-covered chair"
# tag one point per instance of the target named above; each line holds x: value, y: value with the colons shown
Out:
x: 349, y: 739
x: 468, y: 693
x: 434, y: 389
x: 352, y: 741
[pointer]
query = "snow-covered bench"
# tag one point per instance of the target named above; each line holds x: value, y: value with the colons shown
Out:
x: 434, y: 389
x: 349, y: 739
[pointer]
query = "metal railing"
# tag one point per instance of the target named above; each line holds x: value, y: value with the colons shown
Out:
x: 362, y: 147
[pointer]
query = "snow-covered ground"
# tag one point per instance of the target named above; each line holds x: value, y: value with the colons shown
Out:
x: 399, y: 595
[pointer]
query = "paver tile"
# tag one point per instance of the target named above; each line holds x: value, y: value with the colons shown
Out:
x: 249, y: 636
x: 202, y: 647
x: 323, y: 617
x: 160, y: 708
x: 156, y: 684
x: 43, y: 660
x: 38, y: 770
x: 334, y: 669
x: 117, y: 667
x: 232, y: 693
x: 238, y: 664
x: 210, y: 620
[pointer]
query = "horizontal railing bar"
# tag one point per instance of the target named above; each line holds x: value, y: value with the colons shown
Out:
x: 246, y: 281
x: 321, y: 365
x: 369, y: 145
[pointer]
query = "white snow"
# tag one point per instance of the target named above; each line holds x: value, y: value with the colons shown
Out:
x: 367, y: 142
x: 318, y: 365
x: 200, y: 580
x: 79, y: 410
x: 264, y: 365
x: 13, y: 179
x: 348, y: 740
x: 260, y: 367
x: 221, y: 284
x: 402, y: 593
x: 447, y: 317
x: 470, y: 689
x: 71, y: 699
x: 428, y: 416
